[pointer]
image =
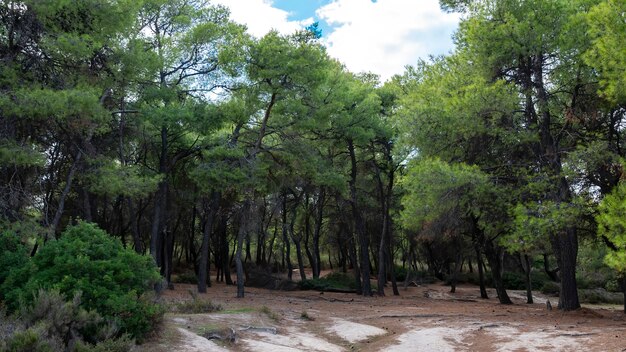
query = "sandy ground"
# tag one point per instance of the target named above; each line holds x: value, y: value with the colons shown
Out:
x: 425, y: 318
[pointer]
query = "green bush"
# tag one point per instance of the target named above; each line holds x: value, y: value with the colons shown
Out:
x: 550, y: 288
x: 30, y: 340
x: 513, y: 280
x: 599, y: 296
x: 334, y: 280
x: 188, y: 277
x: 13, y: 255
x: 400, y: 273
x: 113, y: 280
x: 52, y: 324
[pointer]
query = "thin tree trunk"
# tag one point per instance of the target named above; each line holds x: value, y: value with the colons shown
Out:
x: 359, y: 224
x: 203, y: 274
x: 546, y: 267
x: 481, y: 273
x: 494, y: 259
x: 66, y: 190
x: 286, y: 243
x: 527, y: 270
x: 243, y: 225
x: 317, y: 262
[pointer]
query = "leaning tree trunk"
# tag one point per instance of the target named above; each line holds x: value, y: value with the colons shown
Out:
x: 493, y: 257
x: 481, y: 272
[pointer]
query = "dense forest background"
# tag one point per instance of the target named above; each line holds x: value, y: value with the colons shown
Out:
x: 176, y: 132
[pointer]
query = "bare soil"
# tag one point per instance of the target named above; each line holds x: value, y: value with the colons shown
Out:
x: 423, y: 318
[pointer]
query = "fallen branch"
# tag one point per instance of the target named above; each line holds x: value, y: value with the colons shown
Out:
x: 271, y: 330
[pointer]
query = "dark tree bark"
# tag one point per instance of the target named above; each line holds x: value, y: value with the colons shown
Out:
x: 527, y: 267
x: 243, y: 229
x: 565, y: 243
x: 481, y: 273
x: 317, y: 262
x: 286, y: 242
x: 552, y: 273
x: 211, y: 211
x: 359, y: 224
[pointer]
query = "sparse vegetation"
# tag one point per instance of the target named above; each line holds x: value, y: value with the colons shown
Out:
x: 196, y: 305
x: 269, y: 313
x: 305, y: 316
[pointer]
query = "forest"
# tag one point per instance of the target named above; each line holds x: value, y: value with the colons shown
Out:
x: 142, y: 142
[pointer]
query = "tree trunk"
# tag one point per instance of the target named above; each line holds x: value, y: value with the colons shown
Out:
x: 565, y: 244
x: 359, y: 224
x: 355, y: 265
x: 286, y: 243
x: 317, y: 262
x: 225, y: 249
x: 481, y: 273
x: 494, y: 259
x: 552, y: 273
x: 66, y: 190
x: 243, y: 227
x: 203, y: 274
x: 455, y: 274
x: 527, y: 267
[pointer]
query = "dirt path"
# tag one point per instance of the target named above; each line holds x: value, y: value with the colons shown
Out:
x: 426, y: 318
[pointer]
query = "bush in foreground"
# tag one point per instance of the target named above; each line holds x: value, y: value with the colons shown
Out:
x: 113, y: 281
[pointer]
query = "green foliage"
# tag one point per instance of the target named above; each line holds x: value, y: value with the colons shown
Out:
x: 122, y: 344
x: 550, y: 288
x: 196, y: 305
x: 334, y: 280
x: 13, y: 255
x: 434, y: 187
x: 29, y: 340
x: 52, y: 324
x: 612, y: 225
x: 126, y: 180
x: 113, y: 280
x: 600, y: 296
x: 608, y: 32
x: 18, y: 155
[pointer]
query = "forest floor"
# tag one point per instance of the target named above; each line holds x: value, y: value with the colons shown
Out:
x: 422, y: 318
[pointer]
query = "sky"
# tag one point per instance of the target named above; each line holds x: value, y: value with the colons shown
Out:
x: 379, y: 36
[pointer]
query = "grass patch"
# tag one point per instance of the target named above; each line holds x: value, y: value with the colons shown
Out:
x: 270, y: 313
x: 196, y: 305
x: 305, y: 316
x: 238, y: 311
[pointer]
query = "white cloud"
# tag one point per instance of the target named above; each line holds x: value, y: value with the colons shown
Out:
x: 385, y: 36
x: 260, y: 16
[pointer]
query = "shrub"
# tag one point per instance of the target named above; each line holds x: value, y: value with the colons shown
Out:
x: 13, y: 255
x: 113, y: 279
x: 334, y: 280
x: 188, y: 277
x: 513, y: 280
x: 400, y: 273
x: 30, y: 340
x: 550, y: 288
x: 196, y: 305
x: 599, y: 296
x: 52, y: 324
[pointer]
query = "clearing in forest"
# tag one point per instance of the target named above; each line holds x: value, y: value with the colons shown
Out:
x: 424, y: 318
